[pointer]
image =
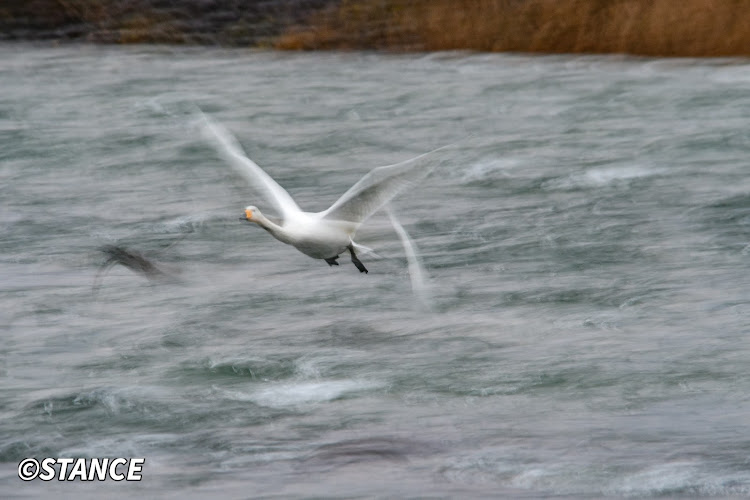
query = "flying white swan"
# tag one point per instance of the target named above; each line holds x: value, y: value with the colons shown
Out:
x: 322, y: 235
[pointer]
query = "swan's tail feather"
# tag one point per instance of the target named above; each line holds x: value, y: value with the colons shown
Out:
x: 365, y: 250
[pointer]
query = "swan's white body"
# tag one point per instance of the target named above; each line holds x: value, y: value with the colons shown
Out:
x: 322, y: 235
x: 308, y: 232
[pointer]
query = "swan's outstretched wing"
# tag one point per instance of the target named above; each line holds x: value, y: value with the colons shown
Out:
x: 228, y: 147
x: 378, y: 187
x: 416, y: 271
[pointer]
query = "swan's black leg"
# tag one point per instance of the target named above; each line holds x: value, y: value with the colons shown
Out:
x: 356, y: 261
x: 332, y: 261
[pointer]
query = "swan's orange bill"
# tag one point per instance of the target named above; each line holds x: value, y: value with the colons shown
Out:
x: 249, y: 213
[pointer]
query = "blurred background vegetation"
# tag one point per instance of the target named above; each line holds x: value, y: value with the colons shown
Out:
x: 643, y: 27
x: 215, y: 22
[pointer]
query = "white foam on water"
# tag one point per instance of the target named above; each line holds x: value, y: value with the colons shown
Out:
x: 600, y: 177
x: 680, y: 477
x: 300, y: 393
x: 487, y: 169
x: 118, y: 399
x: 120, y: 446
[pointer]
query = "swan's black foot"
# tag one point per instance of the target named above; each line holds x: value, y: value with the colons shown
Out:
x: 356, y: 261
x: 332, y: 261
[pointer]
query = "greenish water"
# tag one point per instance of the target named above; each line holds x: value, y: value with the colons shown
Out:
x: 587, y: 246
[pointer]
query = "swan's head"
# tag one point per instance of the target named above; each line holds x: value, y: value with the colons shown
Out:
x: 252, y: 214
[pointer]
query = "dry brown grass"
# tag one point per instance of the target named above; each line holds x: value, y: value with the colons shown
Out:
x: 644, y: 27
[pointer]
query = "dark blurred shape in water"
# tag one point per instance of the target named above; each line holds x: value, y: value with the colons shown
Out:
x: 133, y: 260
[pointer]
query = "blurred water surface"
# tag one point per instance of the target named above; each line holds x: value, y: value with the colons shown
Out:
x: 586, y: 242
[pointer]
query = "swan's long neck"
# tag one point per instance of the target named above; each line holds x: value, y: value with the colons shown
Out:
x: 277, y: 231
